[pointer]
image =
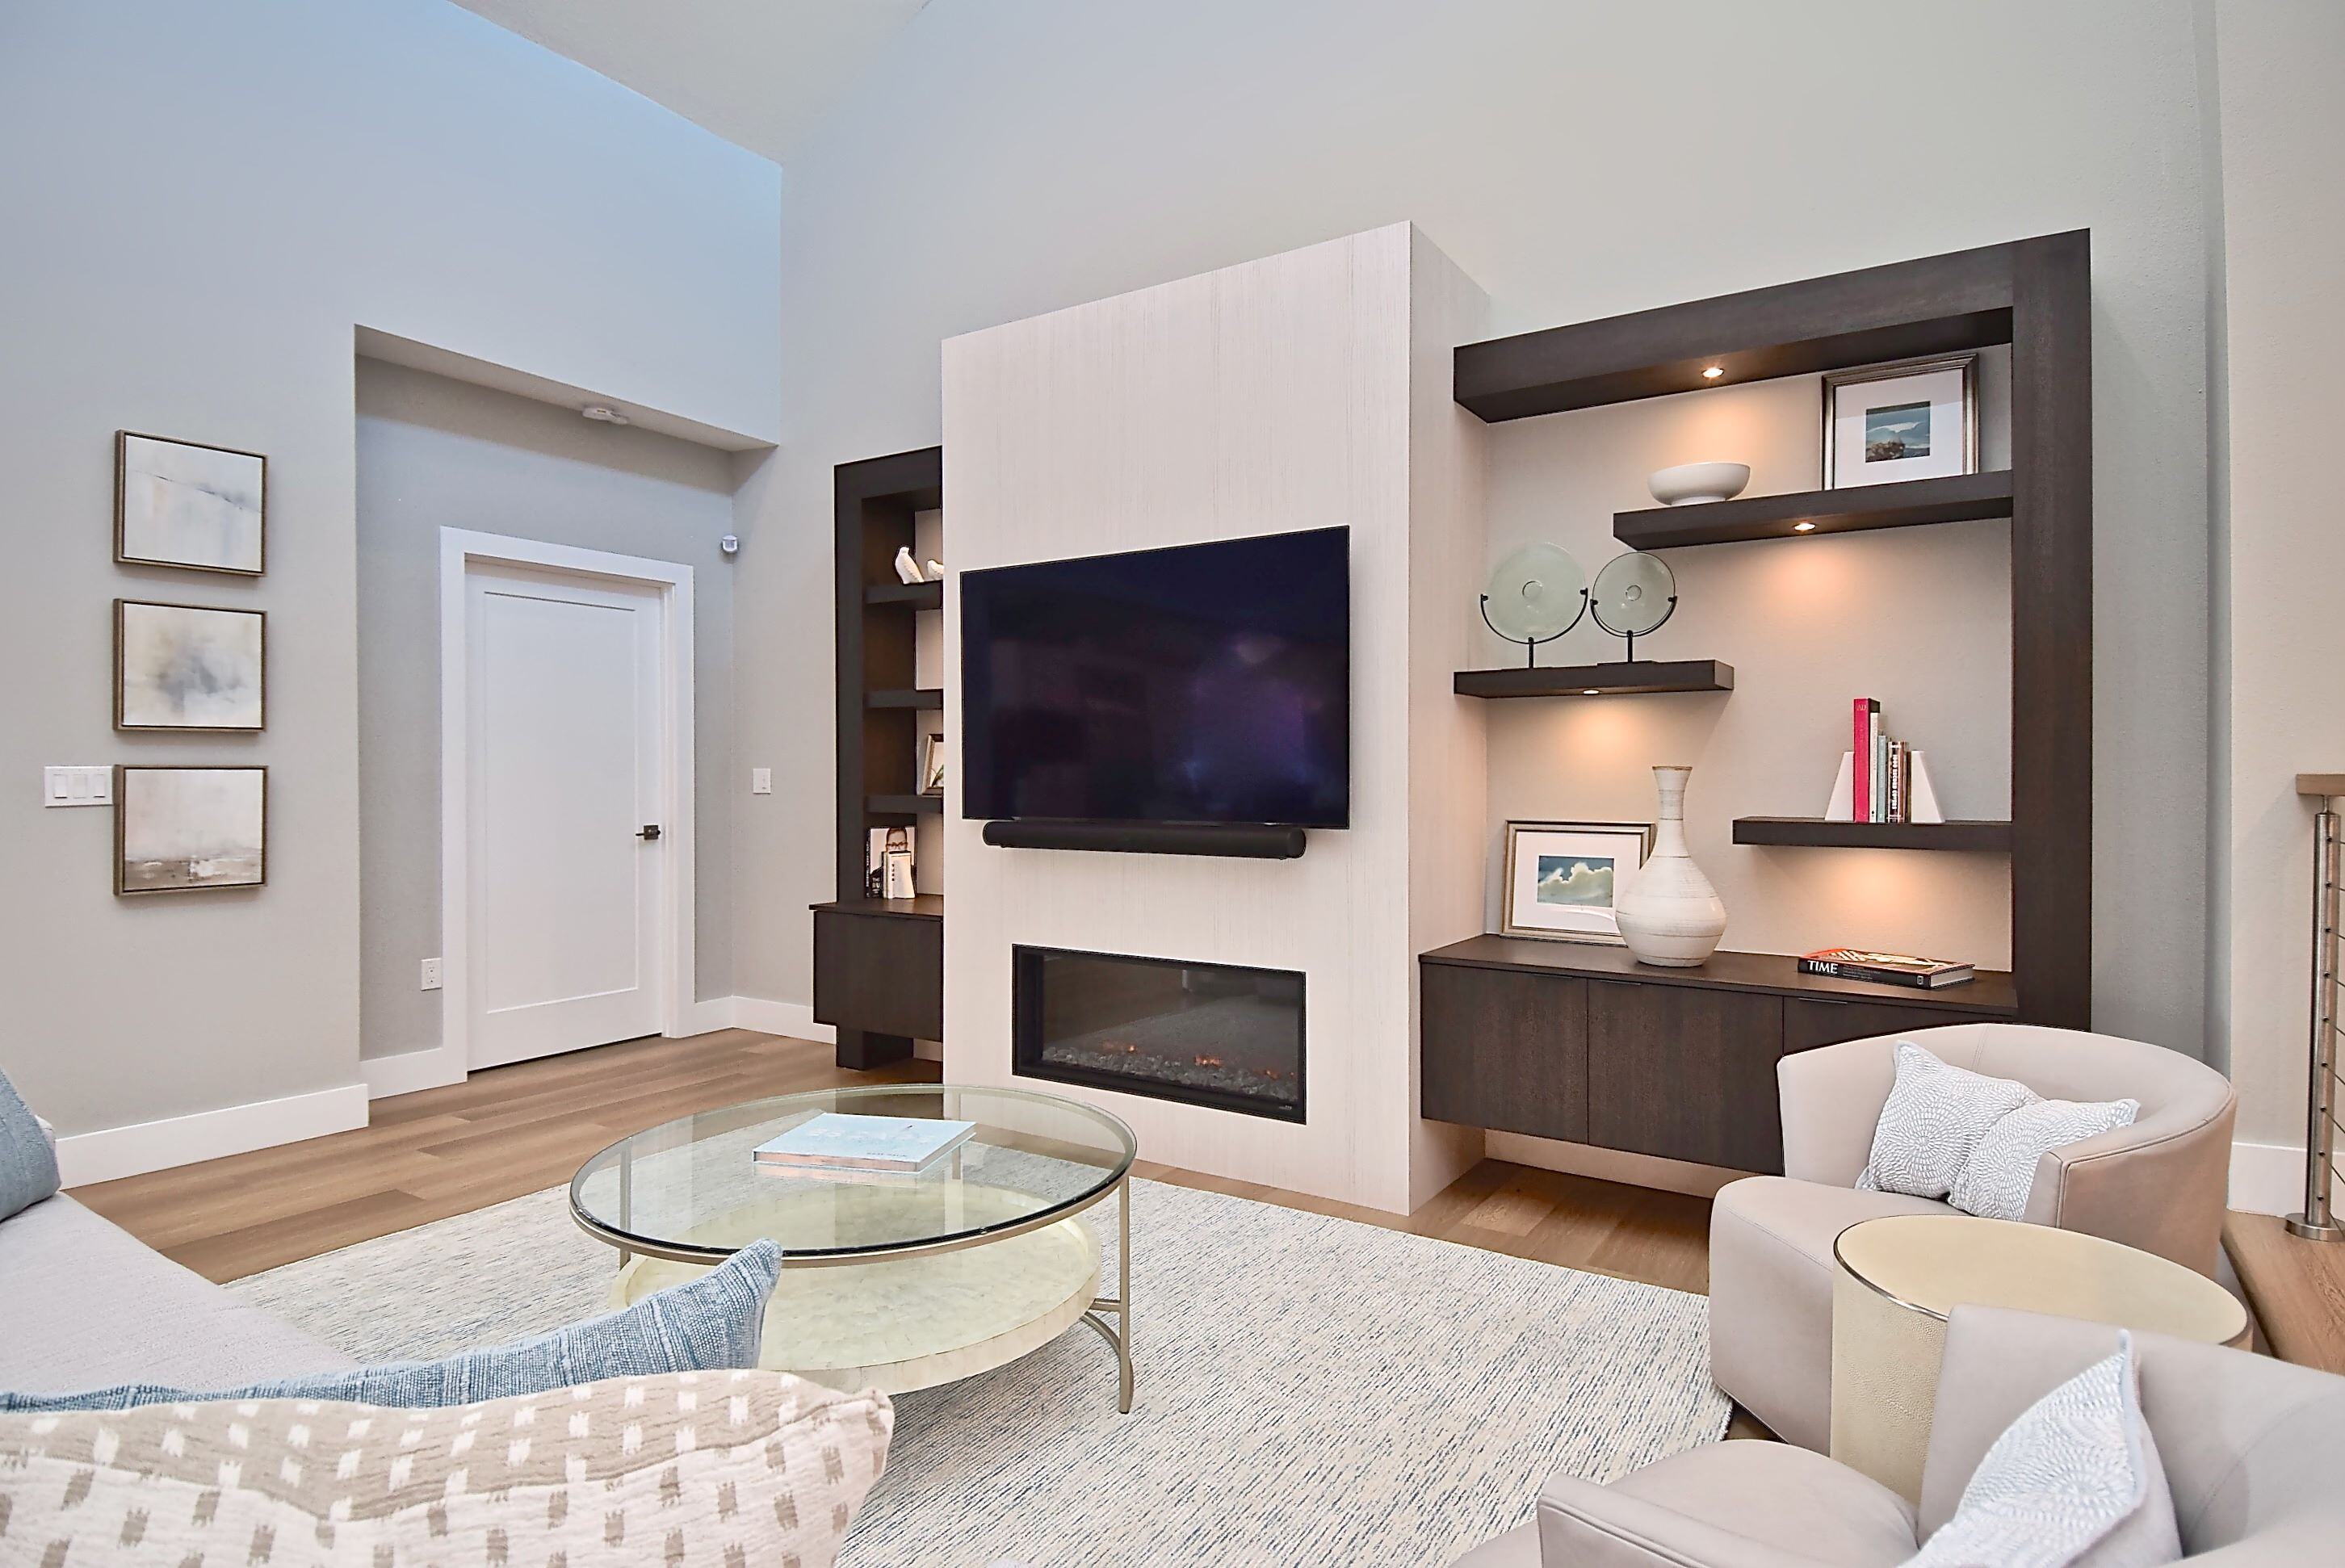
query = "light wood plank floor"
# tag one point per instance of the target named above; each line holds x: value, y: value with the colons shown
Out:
x: 513, y: 1130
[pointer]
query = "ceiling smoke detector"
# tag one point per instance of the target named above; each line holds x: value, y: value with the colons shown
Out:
x: 603, y: 414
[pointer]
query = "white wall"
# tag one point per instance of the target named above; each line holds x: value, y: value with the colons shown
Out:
x: 201, y: 203
x: 1018, y: 155
x: 1258, y: 398
x: 2281, y: 648
x: 434, y: 453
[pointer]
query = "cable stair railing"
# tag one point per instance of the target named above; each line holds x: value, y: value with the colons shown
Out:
x: 2317, y: 1218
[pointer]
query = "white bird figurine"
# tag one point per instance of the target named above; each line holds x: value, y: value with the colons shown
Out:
x: 935, y: 570
x: 906, y: 569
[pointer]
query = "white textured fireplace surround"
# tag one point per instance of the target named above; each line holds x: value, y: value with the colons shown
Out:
x: 1305, y: 391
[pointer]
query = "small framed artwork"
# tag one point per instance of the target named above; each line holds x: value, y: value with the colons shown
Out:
x: 932, y: 764
x: 189, y: 829
x: 1914, y: 420
x: 1564, y: 879
x: 187, y: 667
x: 182, y: 503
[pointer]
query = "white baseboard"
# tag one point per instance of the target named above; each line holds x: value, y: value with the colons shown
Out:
x: 712, y: 1014
x: 2267, y: 1178
x: 117, y: 1151
x: 795, y: 1019
x: 412, y: 1071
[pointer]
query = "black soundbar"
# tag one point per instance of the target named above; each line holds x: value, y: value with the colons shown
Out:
x: 1246, y: 841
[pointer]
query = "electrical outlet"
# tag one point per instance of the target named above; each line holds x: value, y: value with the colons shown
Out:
x: 431, y: 973
x: 761, y: 781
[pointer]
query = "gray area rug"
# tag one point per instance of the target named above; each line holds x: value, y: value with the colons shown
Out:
x: 1311, y: 1390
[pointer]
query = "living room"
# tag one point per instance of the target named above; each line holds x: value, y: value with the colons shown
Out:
x: 1333, y: 655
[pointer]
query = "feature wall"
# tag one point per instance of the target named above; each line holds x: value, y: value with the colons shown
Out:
x: 203, y: 203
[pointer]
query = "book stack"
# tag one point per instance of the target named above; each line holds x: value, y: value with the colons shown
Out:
x: 1884, y: 769
x: 1885, y: 968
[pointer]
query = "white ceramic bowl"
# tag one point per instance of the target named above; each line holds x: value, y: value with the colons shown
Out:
x: 1689, y: 483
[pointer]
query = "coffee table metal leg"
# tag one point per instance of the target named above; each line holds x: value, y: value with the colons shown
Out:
x: 1121, y: 1302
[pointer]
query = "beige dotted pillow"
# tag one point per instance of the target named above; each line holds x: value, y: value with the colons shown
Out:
x: 729, y: 1469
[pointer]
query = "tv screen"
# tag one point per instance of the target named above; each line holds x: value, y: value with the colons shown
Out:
x: 1204, y: 683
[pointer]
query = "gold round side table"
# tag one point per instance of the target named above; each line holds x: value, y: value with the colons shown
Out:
x: 1895, y: 1279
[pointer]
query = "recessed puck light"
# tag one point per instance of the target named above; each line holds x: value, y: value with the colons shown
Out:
x: 1712, y: 373
x: 603, y: 414
x: 1803, y: 527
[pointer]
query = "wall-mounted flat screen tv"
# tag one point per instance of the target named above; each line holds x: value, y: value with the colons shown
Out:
x: 1203, y: 683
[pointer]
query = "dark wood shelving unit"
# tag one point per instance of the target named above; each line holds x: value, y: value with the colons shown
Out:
x: 1772, y: 974
x: 2034, y: 295
x: 903, y: 803
x: 1815, y: 833
x: 878, y: 964
x: 919, y: 699
x: 1596, y: 679
x: 1958, y: 498
x: 907, y: 595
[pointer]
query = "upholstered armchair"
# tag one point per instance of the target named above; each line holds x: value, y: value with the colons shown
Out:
x: 2159, y: 1184
x: 2248, y: 1444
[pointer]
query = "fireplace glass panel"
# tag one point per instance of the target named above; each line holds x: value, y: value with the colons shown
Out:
x: 1219, y: 1034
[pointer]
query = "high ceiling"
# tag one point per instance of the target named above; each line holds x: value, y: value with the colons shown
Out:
x: 756, y: 72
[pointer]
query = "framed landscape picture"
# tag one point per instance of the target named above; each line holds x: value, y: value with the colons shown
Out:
x: 1563, y: 879
x: 182, y: 503
x: 187, y: 667
x: 1889, y: 422
x: 188, y: 829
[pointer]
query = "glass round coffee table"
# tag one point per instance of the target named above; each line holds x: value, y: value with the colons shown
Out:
x: 897, y: 1281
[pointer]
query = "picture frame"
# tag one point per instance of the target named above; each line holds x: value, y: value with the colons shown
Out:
x: 1914, y: 420
x: 932, y: 764
x: 1563, y: 880
x: 190, y: 828
x: 190, y: 505
x: 189, y: 667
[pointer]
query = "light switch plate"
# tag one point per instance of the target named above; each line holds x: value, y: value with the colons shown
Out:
x: 761, y: 781
x: 430, y: 974
x: 77, y: 786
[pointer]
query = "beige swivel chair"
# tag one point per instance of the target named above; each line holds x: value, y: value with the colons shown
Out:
x: 2249, y: 1445
x: 2159, y: 1184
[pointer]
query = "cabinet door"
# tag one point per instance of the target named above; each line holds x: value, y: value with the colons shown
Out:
x: 1810, y: 1024
x: 1504, y: 1049
x: 882, y: 973
x: 1685, y: 1072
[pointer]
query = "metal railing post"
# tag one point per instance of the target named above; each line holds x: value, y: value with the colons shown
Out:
x: 2317, y: 1222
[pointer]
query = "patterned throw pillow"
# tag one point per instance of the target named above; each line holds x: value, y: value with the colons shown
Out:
x: 711, y: 1323
x: 723, y: 1468
x: 28, y: 1166
x: 2074, y: 1482
x: 2001, y: 1172
x: 1936, y: 1115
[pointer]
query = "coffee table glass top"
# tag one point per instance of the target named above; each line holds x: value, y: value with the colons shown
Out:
x: 688, y: 1189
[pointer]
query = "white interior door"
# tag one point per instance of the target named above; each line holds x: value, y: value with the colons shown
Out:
x: 566, y: 738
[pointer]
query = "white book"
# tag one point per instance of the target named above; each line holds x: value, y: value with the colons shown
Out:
x: 837, y: 1141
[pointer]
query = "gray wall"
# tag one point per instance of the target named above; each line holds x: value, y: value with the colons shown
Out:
x: 197, y: 206
x: 434, y: 453
x: 1010, y: 156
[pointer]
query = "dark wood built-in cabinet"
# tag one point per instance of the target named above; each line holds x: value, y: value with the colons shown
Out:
x: 1583, y: 1044
x: 878, y: 964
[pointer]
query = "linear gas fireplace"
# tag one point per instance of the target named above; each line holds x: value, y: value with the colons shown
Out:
x: 1219, y: 1034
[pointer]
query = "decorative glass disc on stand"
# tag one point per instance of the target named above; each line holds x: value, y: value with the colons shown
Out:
x: 1536, y: 595
x: 1633, y: 595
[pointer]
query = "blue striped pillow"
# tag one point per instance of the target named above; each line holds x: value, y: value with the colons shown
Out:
x: 706, y: 1324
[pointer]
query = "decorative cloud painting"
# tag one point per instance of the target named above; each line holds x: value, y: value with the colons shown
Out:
x: 177, y: 504
x: 180, y: 829
x: 1582, y: 880
x: 181, y: 667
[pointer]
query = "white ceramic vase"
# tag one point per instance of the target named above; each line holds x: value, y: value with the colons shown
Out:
x: 1672, y: 915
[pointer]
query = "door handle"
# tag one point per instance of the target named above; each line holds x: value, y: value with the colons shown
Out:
x: 649, y: 832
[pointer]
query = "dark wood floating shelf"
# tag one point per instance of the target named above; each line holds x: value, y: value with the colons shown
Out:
x: 925, y: 698
x: 902, y: 804
x: 1815, y: 833
x: 1957, y: 498
x: 1596, y: 679
x: 1770, y: 974
x: 927, y: 906
x: 911, y: 595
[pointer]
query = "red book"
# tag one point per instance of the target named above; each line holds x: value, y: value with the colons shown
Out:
x: 1860, y: 753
